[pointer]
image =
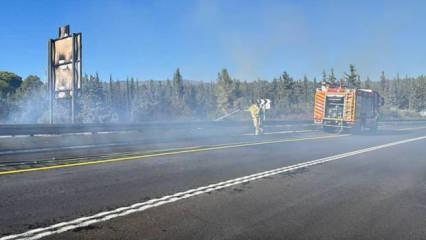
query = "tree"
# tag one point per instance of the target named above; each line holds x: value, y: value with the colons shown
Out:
x: 93, y: 100
x: 332, y: 77
x: 29, y: 102
x: 419, y: 103
x: 383, y: 83
x: 284, y: 96
x: 178, y: 101
x: 226, y: 92
x: 289, y: 87
x: 368, y: 83
x: 315, y: 83
x: 352, y: 79
x: 178, y: 84
x: 128, y: 101
x: 324, y: 76
x: 147, y: 100
x: 9, y: 83
x: 110, y: 91
x: 30, y: 84
x: 306, y: 92
x: 393, y: 94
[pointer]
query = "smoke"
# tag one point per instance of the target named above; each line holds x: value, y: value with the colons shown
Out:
x: 265, y: 34
x: 262, y: 39
x: 30, y: 107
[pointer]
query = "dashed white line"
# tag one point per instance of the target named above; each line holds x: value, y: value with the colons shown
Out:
x: 142, y: 206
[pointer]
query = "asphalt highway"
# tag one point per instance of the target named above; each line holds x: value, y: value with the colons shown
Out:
x: 282, y: 185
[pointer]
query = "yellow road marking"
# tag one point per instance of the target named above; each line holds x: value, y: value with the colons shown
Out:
x: 109, y: 156
x: 187, y: 150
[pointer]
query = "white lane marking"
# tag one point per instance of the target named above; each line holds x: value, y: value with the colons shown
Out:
x: 289, y: 125
x: 89, y: 146
x: 413, y: 128
x: 64, y: 134
x: 142, y: 206
x: 282, y: 132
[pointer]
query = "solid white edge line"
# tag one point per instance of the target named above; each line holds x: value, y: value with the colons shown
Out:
x: 139, y: 207
x: 282, y: 132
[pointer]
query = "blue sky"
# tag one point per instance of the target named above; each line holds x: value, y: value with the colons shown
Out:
x: 253, y: 39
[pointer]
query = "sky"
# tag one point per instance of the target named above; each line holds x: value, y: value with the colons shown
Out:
x: 253, y: 39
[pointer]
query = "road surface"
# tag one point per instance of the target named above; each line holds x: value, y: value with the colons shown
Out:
x: 283, y: 185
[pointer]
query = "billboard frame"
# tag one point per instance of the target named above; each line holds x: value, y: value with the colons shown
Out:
x: 76, y: 70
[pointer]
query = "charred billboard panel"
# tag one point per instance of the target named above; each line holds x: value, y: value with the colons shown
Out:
x: 62, y: 59
x: 65, y: 68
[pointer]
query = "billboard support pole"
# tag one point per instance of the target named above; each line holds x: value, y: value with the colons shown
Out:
x: 264, y: 113
x: 50, y: 80
x: 73, y: 64
x: 79, y: 74
x: 80, y: 64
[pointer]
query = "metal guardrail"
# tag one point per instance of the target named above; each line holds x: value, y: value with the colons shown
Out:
x: 403, y: 120
x: 57, y: 129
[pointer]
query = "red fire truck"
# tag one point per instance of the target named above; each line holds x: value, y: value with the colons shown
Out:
x: 339, y: 108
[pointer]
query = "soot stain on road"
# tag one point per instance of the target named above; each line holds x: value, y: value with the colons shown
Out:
x: 246, y: 185
x: 87, y: 228
x: 296, y: 172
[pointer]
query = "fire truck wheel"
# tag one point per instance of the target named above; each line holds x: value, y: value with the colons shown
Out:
x: 329, y: 129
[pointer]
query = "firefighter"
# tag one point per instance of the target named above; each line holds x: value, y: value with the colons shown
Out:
x: 255, y: 112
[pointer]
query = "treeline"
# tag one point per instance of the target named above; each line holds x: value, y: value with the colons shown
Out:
x: 133, y: 100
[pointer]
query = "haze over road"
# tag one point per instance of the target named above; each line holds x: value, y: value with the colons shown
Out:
x: 322, y: 186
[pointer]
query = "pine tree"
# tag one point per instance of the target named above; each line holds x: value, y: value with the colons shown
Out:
x: 132, y: 89
x: 352, y: 79
x: 110, y: 91
x: 393, y: 94
x: 306, y: 92
x: 178, y: 101
x: 332, y: 77
x: 419, y: 103
x: 315, y: 84
x: 383, y: 84
x: 324, y: 76
x: 94, y: 109
x: 289, y: 88
x: 178, y: 84
x: 128, y: 101
x: 226, y: 92
x: 368, y: 83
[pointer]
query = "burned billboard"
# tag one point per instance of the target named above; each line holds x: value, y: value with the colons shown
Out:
x: 65, y: 69
x: 66, y: 64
